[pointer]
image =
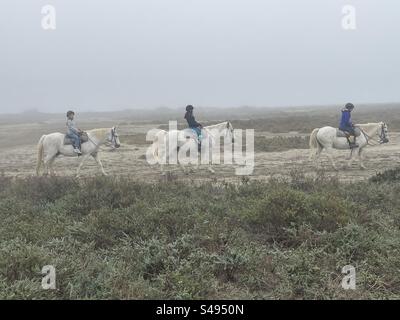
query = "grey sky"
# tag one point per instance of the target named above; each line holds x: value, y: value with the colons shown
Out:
x: 120, y: 54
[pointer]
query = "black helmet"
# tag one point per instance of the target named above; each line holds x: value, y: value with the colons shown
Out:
x: 349, y: 106
x: 189, y: 107
x: 70, y: 112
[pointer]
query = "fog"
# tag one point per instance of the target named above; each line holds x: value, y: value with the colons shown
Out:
x: 113, y: 55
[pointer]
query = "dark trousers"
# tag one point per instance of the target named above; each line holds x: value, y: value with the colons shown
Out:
x: 197, y: 130
x: 348, y: 129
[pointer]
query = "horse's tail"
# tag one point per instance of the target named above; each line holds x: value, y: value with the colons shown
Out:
x: 315, y: 145
x: 40, y: 154
x: 156, y: 145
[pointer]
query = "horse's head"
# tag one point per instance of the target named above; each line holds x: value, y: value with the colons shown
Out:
x: 383, y: 133
x: 230, y: 131
x: 114, y: 138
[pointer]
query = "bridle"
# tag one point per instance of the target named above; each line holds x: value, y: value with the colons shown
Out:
x: 113, y: 140
x: 382, y: 136
x: 114, y: 137
x: 231, y: 130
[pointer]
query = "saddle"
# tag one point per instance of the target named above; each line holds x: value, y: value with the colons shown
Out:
x: 345, y: 134
x: 84, y: 138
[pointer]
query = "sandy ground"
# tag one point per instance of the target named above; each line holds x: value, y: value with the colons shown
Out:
x: 19, y: 153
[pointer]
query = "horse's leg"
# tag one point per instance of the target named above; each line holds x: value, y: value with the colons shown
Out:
x: 316, y: 159
x: 329, y: 152
x: 315, y: 156
x: 210, y: 168
x: 47, y: 162
x: 361, y: 158
x: 51, y: 162
x: 45, y: 168
x: 96, y: 157
x: 84, y: 157
x: 350, y: 159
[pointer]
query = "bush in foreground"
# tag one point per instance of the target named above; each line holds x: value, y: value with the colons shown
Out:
x: 117, y: 238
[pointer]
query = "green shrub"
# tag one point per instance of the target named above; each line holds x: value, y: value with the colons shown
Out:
x: 115, y: 238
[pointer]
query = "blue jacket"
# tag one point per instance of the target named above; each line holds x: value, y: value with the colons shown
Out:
x: 346, y: 119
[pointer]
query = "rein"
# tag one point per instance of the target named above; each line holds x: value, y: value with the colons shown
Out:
x: 226, y: 134
x: 113, y: 138
x: 92, y: 141
x: 369, y: 138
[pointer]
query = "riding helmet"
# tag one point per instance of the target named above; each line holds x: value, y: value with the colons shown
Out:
x: 70, y: 112
x: 349, y: 106
x: 189, y: 107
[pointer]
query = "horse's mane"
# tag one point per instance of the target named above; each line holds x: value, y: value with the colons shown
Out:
x: 369, y: 127
x: 369, y: 124
x: 216, y: 125
x: 99, y: 132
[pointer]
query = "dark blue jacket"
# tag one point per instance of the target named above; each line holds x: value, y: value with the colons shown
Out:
x: 191, y: 120
x: 346, y: 119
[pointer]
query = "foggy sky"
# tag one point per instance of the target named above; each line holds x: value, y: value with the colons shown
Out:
x: 118, y: 54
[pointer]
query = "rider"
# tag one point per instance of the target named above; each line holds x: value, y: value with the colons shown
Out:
x: 347, y: 125
x: 193, y: 124
x: 73, y: 132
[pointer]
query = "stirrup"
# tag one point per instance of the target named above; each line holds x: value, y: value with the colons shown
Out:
x: 353, y: 145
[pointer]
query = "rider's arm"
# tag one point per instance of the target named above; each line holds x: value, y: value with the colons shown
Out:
x: 71, y: 127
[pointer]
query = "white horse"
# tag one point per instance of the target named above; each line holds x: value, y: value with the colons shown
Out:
x: 327, y: 138
x: 188, y: 139
x: 50, y: 146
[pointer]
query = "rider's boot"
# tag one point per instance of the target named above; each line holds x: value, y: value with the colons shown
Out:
x: 353, y: 143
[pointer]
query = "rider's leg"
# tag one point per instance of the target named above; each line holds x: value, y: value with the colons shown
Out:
x: 76, y: 141
x: 198, y: 133
x: 353, y: 134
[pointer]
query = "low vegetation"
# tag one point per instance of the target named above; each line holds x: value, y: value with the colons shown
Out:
x: 121, y: 239
x: 280, y: 143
